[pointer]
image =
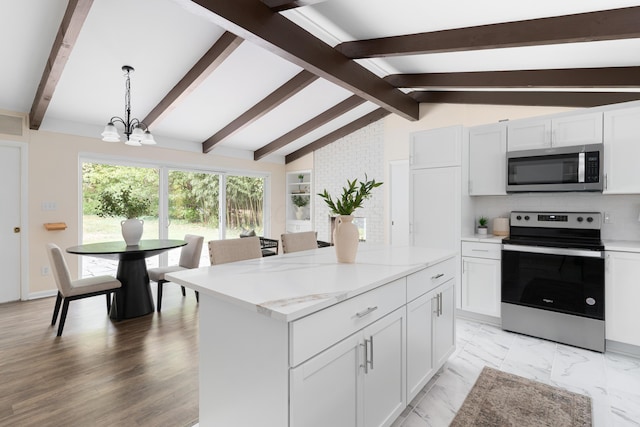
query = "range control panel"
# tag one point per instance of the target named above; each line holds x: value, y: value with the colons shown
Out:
x: 582, y: 220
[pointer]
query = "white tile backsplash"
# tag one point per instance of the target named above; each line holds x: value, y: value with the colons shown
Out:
x: 351, y: 157
x: 623, y: 210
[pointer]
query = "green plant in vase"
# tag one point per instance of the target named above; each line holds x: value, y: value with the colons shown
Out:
x: 125, y: 204
x: 482, y: 225
x: 300, y: 202
x: 345, y: 233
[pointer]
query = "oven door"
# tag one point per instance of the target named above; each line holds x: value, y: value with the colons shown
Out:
x: 567, y: 281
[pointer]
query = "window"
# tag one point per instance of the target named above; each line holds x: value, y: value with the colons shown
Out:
x: 189, y: 203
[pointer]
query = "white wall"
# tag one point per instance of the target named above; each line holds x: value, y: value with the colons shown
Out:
x: 54, y: 177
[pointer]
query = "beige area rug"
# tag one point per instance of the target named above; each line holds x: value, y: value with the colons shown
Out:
x: 502, y: 399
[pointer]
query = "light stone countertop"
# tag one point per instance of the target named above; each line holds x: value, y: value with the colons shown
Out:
x: 481, y: 238
x: 288, y: 287
x: 622, y: 245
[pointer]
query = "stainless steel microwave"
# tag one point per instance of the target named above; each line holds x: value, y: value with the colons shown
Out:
x: 576, y: 168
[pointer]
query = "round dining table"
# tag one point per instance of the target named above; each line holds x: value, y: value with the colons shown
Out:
x: 132, y: 270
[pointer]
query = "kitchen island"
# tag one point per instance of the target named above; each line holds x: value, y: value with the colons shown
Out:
x: 301, y: 340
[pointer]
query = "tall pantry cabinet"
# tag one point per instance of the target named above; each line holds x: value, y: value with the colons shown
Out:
x: 436, y: 188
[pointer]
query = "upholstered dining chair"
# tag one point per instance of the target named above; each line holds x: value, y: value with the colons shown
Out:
x: 189, y: 258
x: 295, y: 242
x: 69, y: 290
x: 232, y: 250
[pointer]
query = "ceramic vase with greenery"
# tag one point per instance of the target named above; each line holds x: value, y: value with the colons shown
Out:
x: 300, y: 202
x: 345, y: 233
x: 130, y: 206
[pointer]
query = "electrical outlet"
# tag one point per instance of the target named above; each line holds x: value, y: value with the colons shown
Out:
x: 44, y: 270
x: 607, y: 218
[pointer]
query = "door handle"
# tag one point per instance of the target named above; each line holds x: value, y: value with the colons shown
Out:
x: 16, y: 229
x: 371, y: 352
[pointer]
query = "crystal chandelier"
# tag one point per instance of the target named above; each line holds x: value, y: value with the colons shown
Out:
x: 137, y: 133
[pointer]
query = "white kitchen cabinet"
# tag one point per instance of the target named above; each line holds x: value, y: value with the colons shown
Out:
x: 481, y: 273
x: 487, y: 160
x: 435, y: 207
x: 444, y: 330
x: 622, y: 293
x: 563, y: 131
x: 358, y: 382
x: 622, y: 151
x: 423, y: 290
x: 299, y: 202
x: 430, y: 335
x: 436, y: 148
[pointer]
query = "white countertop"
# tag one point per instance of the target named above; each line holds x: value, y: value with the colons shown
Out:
x: 483, y: 238
x: 622, y: 245
x: 291, y: 286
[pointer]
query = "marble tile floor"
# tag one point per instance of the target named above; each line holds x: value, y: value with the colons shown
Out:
x: 611, y: 380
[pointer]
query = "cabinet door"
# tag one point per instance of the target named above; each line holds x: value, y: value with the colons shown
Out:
x: 384, y: 379
x: 326, y: 390
x: 577, y: 129
x: 622, y: 151
x: 481, y: 286
x: 436, y: 148
x: 528, y: 134
x: 419, y: 352
x: 487, y: 160
x: 444, y: 331
x: 622, y: 294
x: 435, y: 210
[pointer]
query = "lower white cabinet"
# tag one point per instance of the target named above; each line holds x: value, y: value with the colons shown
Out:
x: 622, y: 293
x: 430, y: 335
x: 357, y: 382
x: 481, y: 275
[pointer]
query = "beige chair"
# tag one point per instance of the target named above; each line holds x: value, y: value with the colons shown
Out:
x: 295, y: 242
x: 189, y: 258
x: 69, y: 290
x: 232, y: 250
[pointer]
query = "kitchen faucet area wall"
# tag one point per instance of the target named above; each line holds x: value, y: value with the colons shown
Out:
x: 621, y: 211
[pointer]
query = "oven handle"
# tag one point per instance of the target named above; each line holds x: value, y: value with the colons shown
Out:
x: 553, y: 251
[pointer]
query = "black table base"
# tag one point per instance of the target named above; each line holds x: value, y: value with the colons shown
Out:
x: 138, y: 300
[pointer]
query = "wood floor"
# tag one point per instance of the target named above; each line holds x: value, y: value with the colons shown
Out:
x: 137, y: 372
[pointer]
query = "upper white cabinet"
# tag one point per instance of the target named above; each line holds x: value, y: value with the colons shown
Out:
x: 574, y: 129
x: 622, y: 294
x: 299, y: 201
x: 487, y: 162
x: 436, y: 148
x: 622, y: 151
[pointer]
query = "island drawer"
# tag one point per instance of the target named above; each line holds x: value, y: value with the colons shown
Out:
x: 431, y: 277
x: 482, y: 250
x: 318, y: 331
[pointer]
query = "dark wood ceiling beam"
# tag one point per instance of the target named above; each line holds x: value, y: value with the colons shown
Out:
x: 574, y: 77
x: 254, y: 21
x: 68, y: 32
x: 313, y: 124
x: 547, y: 99
x: 583, y: 27
x: 284, y: 92
x: 216, y: 55
x: 363, y: 121
x: 280, y: 5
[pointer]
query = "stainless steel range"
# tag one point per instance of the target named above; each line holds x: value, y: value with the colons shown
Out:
x: 553, y: 277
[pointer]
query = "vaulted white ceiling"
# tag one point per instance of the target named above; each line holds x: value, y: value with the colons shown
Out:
x: 165, y: 39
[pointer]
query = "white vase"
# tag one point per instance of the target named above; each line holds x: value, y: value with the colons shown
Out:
x: 345, y: 239
x: 132, y: 231
x: 299, y: 212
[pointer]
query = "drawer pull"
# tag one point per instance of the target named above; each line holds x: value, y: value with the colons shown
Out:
x: 480, y: 250
x: 437, y: 276
x: 366, y: 311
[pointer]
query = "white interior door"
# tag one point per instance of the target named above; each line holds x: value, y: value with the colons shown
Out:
x: 10, y: 224
x: 399, y: 177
